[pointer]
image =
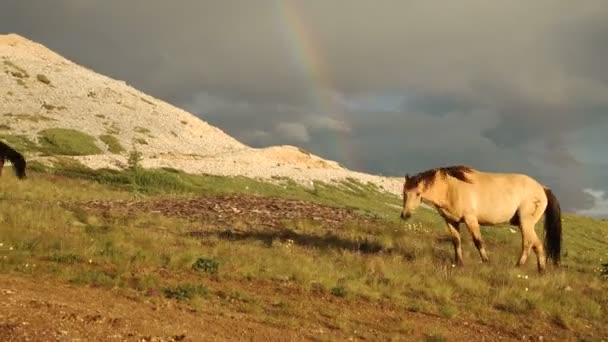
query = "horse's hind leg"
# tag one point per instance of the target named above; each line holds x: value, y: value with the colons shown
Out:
x: 473, y: 226
x: 455, y: 232
x: 530, y: 240
x: 526, y: 243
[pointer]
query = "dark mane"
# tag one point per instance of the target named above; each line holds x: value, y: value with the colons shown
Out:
x: 16, y: 158
x: 427, y: 177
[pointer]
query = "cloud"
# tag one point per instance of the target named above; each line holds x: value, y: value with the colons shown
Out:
x: 383, y: 86
x: 328, y: 123
x: 293, y: 131
x: 600, y: 207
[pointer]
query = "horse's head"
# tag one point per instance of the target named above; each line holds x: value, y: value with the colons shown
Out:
x: 412, y: 196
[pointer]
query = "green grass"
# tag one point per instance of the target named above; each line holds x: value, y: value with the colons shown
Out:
x: 366, y: 198
x: 70, y: 142
x: 20, y: 143
x: 113, y: 144
x: 407, y: 265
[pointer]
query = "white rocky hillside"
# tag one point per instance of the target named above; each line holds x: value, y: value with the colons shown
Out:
x: 40, y: 89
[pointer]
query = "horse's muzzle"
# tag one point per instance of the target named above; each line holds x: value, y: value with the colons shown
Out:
x: 405, y: 216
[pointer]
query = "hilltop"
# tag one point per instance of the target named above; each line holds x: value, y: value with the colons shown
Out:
x: 47, y: 99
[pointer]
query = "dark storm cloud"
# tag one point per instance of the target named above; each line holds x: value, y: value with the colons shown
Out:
x: 504, y: 86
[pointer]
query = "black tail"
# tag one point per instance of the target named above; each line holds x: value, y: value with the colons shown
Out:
x: 553, y: 228
x: 16, y: 158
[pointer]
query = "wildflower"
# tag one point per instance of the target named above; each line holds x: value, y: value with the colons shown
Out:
x: 90, y: 261
x: 526, y: 289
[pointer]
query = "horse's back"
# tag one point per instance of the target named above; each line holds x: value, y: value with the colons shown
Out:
x: 496, y: 197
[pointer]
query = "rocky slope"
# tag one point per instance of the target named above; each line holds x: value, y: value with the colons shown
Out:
x: 40, y: 89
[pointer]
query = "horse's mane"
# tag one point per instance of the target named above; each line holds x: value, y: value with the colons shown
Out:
x: 428, y: 177
x: 16, y: 158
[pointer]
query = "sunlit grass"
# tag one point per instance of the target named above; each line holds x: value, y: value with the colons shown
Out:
x: 405, y: 264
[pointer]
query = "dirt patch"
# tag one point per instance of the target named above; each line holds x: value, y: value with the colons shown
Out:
x: 43, y: 310
x: 255, y: 212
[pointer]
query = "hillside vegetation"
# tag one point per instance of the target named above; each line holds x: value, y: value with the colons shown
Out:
x: 154, y: 237
x: 51, y: 106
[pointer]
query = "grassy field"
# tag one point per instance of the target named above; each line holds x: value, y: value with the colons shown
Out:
x: 411, y: 270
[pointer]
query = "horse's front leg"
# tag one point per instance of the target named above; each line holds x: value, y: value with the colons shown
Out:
x: 455, y: 232
x: 473, y: 226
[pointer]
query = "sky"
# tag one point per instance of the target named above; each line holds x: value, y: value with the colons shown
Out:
x: 385, y: 87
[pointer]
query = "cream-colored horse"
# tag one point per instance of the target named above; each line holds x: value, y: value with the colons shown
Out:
x: 463, y: 194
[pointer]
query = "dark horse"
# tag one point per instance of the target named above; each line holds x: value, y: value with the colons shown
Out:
x: 463, y: 194
x: 7, y: 152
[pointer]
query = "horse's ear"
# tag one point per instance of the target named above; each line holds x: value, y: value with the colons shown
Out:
x: 407, y: 177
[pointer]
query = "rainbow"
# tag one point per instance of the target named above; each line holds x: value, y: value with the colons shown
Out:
x: 307, y: 54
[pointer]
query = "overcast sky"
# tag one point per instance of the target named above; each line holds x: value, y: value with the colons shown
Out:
x: 388, y: 87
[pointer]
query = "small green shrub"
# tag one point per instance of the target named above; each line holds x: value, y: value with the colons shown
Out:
x: 206, y: 265
x: 95, y: 278
x: 113, y: 144
x: 65, y: 258
x: 185, y: 291
x: 516, y: 305
x: 16, y: 71
x: 69, y: 142
x: 134, y: 160
x: 48, y: 106
x: 140, y: 141
x: 142, y: 130
x: 339, y: 291
x: 43, y: 79
x: 95, y: 229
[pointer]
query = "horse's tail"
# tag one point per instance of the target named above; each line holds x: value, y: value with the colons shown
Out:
x: 553, y: 228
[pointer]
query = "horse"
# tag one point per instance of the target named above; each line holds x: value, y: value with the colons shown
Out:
x: 16, y: 158
x: 463, y: 194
